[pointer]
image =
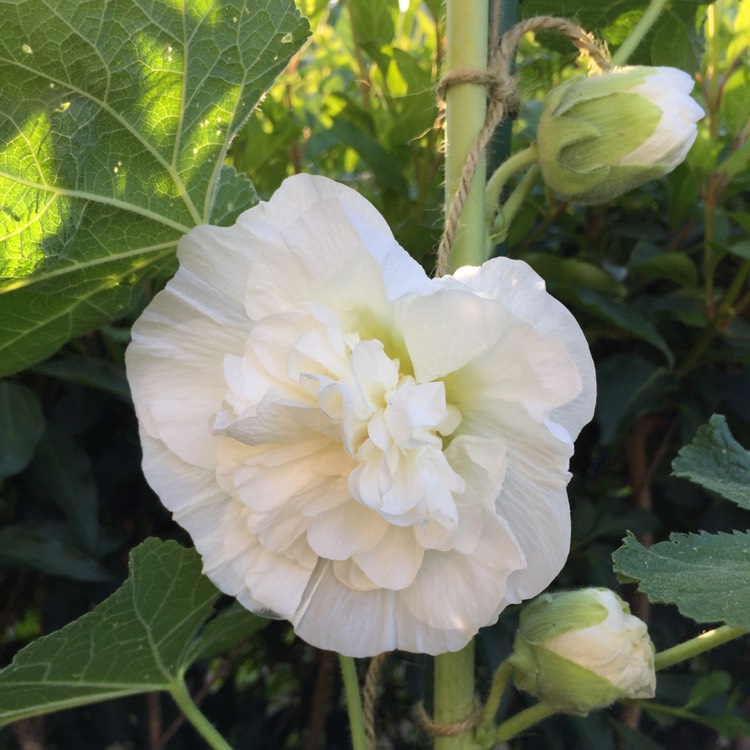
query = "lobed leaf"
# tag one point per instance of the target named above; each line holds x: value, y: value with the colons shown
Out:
x: 716, y: 461
x: 115, y: 118
x: 705, y: 575
x: 138, y: 640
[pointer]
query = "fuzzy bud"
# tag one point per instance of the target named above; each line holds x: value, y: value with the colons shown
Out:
x: 601, y: 136
x: 578, y: 651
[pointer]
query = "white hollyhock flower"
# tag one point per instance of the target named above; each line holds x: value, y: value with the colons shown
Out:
x: 379, y: 457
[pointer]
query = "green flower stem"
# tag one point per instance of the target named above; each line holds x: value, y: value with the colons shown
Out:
x: 353, y: 702
x: 196, y: 717
x: 499, y: 682
x: 502, y: 174
x: 465, y: 111
x: 724, y: 315
x: 454, y: 695
x: 647, y: 20
x: 693, y: 647
x: 508, y: 211
x: 522, y: 721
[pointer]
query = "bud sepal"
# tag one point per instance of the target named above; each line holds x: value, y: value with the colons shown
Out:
x: 582, y: 650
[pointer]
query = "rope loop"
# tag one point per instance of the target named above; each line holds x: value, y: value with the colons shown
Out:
x: 503, y: 101
x: 453, y: 729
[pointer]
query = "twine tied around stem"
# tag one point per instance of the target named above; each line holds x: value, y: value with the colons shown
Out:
x: 434, y: 729
x: 370, y: 697
x: 503, y: 101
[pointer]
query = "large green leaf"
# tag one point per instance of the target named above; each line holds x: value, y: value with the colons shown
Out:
x: 140, y: 639
x: 716, y: 461
x: 115, y: 118
x: 705, y: 575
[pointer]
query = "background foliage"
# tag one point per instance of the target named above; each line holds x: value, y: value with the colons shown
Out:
x: 658, y: 280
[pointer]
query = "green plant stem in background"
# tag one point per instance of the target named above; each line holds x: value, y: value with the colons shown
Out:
x: 502, y: 174
x: 466, y: 105
x: 454, y: 695
x: 647, y: 20
x: 721, y: 318
x: 522, y: 721
x: 515, y: 200
x: 499, y: 683
x: 353, y: 702
x: 193, y: 714
x: 693, y: 647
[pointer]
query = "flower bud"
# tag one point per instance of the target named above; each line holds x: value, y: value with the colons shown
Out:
x: 582, y: 650
x: 601, y: 136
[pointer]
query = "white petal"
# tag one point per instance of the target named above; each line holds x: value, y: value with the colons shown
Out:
x: 275, y: 477
x: 449, y: 328
x: 523, y: 292
x: 463, y: 593
x: 316, y: 238
x: 213, y: 519
x: 175, y: 370
x: 395, y: 561
x: 276, y: 582
x: 346, y: 531
x: 536, y: 507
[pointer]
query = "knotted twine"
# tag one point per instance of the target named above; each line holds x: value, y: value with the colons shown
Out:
x: 370, y: 697
x: 503, y: 102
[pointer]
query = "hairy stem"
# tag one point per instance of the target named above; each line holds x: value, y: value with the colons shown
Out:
x: 196, y: 717
x: 502, y: 174
x: 522, y: 721
x: 512, y: 205
x: 499, y: 683
x: 704, y: 642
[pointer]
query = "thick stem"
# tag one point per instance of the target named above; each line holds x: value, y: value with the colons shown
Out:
x: 647, y: 20
x: 353, y: 702
x: 465, y: 110
x: 454, y: 695
x: 693, y: 647
x: 193, y: 714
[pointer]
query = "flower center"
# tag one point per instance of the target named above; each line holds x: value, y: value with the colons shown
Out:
x: 391, y: 426
x: 395, y: 431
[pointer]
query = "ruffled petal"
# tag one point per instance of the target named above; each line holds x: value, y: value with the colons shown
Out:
x: 395, y: 561
x: 346, y: 531
x: 523, y: 292
x: 461, y: 593
x: 378, y: 457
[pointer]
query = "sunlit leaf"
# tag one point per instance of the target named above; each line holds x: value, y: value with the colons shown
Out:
x: 115, y: 117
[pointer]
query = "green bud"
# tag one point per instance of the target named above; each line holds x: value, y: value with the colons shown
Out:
x: 582, y: 650
x: 601, y: 136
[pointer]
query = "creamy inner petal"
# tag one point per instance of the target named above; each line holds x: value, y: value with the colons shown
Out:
x: 325, y: 426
